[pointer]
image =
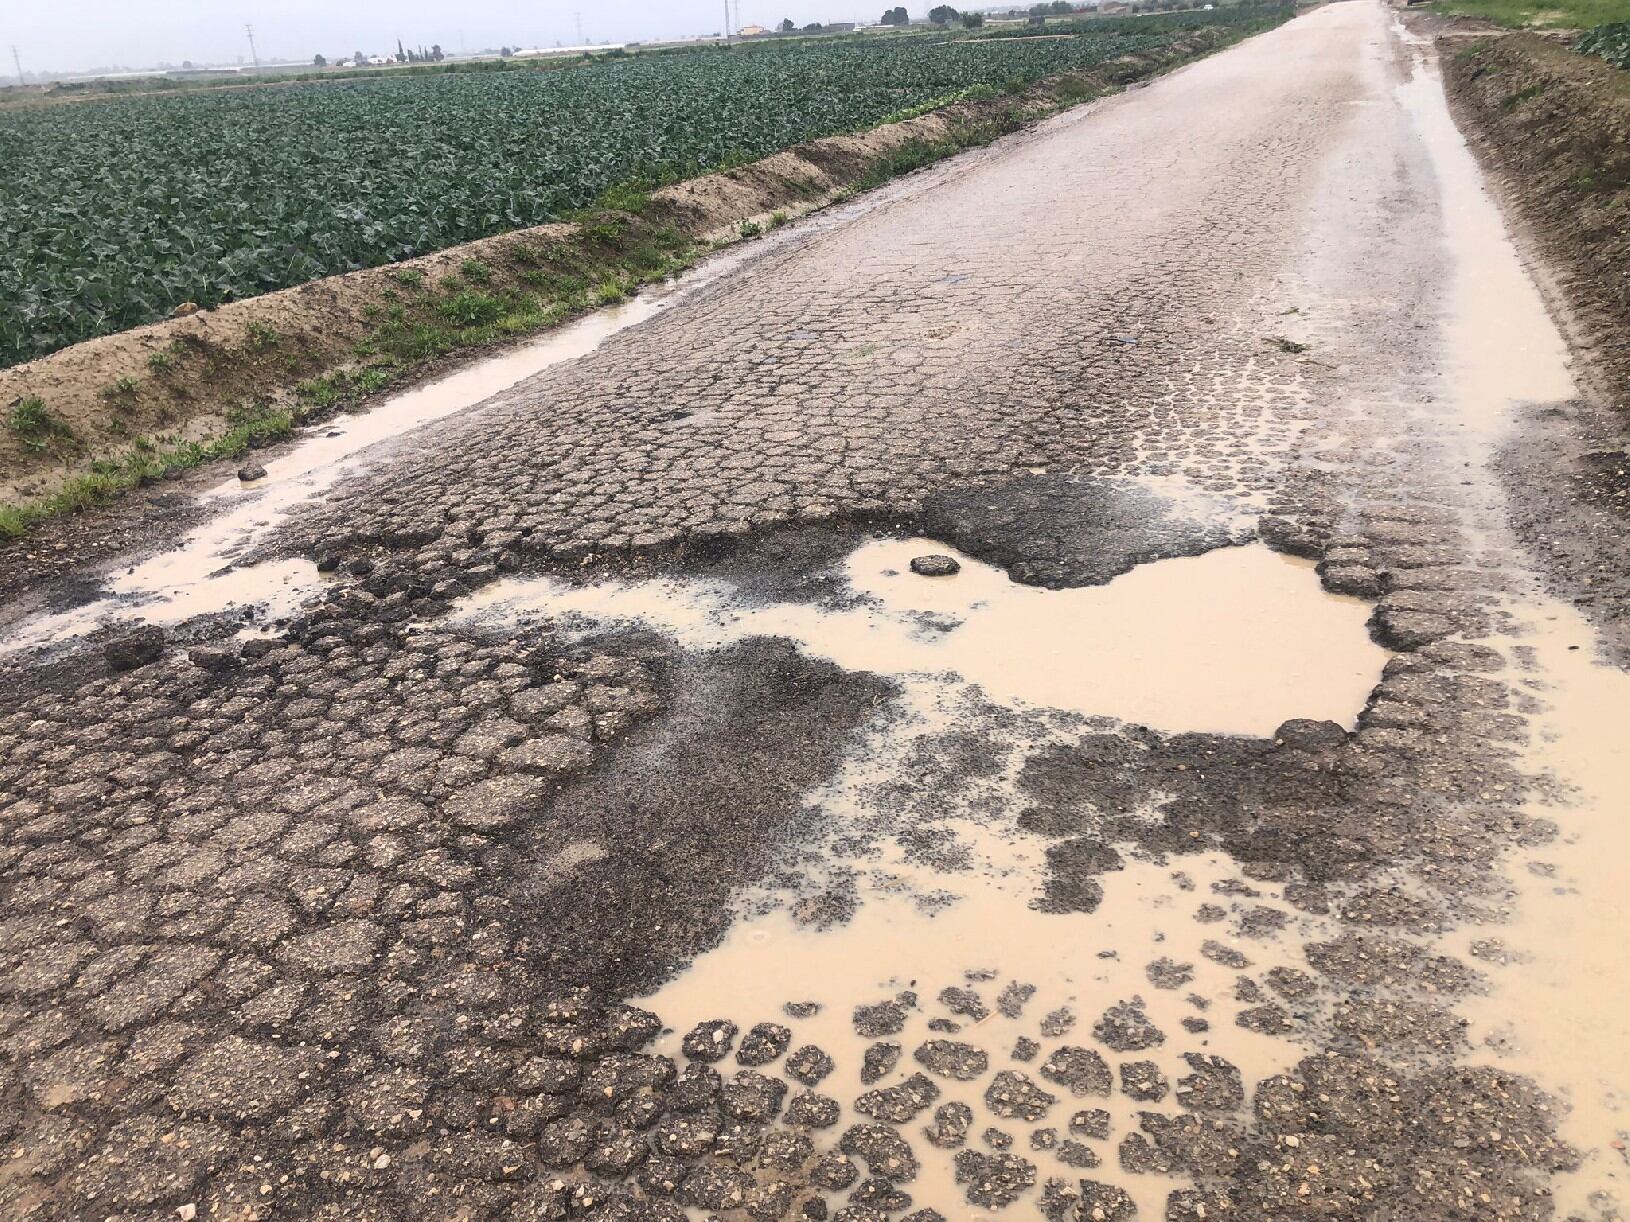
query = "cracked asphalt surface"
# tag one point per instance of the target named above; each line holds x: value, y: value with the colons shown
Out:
x: 356, y: 918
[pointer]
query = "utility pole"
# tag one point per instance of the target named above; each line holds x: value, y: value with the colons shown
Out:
x: 17, y: 59
x: 579, y: 17
x: 253, y: 54
x: 727, y: 22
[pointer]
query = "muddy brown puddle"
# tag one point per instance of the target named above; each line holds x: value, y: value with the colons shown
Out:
x: 1236, y: 640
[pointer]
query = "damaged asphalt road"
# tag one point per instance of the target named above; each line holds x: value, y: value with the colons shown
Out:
x: 615, y: 833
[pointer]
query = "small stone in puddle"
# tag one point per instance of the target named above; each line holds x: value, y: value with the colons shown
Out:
x: 833, y: 1172
x: 899, y: 1104
x: 1081, y: 1070
x: 709, y: 1041
x: 812, y: 1111
x: 879, y: 1194
x: 1293, y: 984
x: 878, y: 1061
x: 1217, y: 952
x: 1105, y: 1202
x: 250, y: 472
x: 951, y: 1124
x: 935, y: 565
x: 763, y: 1044
x: 1025, y: 1049
x: 994, y: 1180
x: 884, y: 1151
x: 965, y: 1002
x: 1169, y: 974
x: 751, y: 1096
x: 1011, y: 1001
x: 786, y: 1150
x: 1076, y: 1154
x: 1043, y: 1139
x: 1092, y: 1122
x: 1012, y: 1094
x: 884, y: 1017
x: 135, y: 649
x: 213, y: 657
x: 809, y: 1065
x: 1126, y: 1028
x: 997, y: 1140
x: 1057, y: 1022
x: 694, y: 1089
x: 1215, y: 1085
x: 951, y: 1059
x: 944, y: 1025
x: 1143, y: 1081
x: 1196, y: 1026
x: 802, y: 1009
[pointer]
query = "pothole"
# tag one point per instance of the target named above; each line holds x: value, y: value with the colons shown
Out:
x: 1234, y: 641
x: 1037, y: 1044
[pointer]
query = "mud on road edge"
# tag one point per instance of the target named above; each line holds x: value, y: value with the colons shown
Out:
x: 1552, y: 131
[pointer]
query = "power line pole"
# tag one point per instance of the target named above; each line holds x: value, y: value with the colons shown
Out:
x: 253, y: 54
x: 727, y: 22
x: 579, y: 17
x: 18, y: 60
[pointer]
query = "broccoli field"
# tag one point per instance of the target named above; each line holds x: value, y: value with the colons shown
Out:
x: 115, y: 211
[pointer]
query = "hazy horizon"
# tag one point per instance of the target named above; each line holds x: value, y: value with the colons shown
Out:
x: 80, y: 35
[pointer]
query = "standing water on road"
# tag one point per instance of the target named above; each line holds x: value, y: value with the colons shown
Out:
x: 1234, y: 641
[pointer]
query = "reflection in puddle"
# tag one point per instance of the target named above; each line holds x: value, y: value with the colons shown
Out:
x: 1237, y: 640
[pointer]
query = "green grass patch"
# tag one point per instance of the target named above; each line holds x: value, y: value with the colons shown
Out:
x: 37, y: 426
x: 145, y: 462
x: 1547, y: 14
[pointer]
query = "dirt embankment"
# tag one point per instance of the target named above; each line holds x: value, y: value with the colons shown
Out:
x: 1553, y: 127
x: 124, y: 408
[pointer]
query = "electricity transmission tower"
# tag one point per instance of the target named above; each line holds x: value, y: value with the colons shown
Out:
x: 17, y: 59
x: 253, y: 54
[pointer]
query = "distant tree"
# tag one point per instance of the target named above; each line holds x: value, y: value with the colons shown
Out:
x: 505, y: 52
x: 359, y: 59
x: 788, y: 26
x: 814, y: 27
x: 942, y: 14
x: 319, y: 61
x: 437, y: 54
x: 1063, y: 6
x: 401, y: 55
x: 972, y: 21
x: 897, y: 16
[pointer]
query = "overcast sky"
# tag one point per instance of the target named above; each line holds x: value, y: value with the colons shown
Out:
x: 70, y: 35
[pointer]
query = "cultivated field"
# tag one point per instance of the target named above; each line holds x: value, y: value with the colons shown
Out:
x: 117, y: 211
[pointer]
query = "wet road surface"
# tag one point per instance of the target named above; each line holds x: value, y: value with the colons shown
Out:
x: 579, y: 806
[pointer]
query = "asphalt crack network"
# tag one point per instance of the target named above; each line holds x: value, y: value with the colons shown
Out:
x: 393, y: 910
